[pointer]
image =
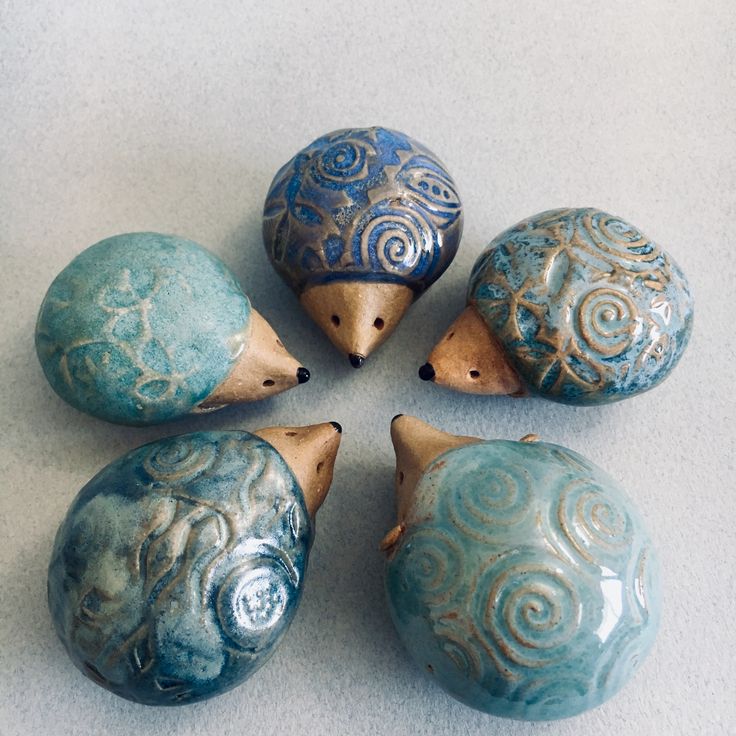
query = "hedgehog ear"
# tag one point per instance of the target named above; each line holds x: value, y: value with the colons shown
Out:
x: 310, y: 453
x: 417, y: 444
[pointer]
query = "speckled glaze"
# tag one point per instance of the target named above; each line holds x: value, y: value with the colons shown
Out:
x: 588, y: 309
x: 363, y: 204
x: 524, y: 581
x: 140, y: 328
x: 179, y: 567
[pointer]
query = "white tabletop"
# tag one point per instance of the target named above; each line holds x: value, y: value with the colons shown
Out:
x: 174, y: 116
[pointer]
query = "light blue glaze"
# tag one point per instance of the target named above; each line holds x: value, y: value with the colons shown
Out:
x: 365, y: 204
x: 141, y: 328
x: 588, y: 309
x: 179, y: 567
x: 525, y: 581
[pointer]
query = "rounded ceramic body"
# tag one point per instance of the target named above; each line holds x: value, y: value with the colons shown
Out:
x: 587, y: 308
x: 525, y: 581
x: 363, y: 204
x: 179, y: 567
x: 141, y: 328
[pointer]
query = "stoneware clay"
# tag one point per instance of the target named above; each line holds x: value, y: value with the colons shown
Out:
x: 143, y: 328
x: 575, y: 305
x: 519, y: 576
x: 359, y: 224
x: 179, y: 566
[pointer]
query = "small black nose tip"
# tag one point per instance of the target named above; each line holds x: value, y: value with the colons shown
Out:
x: 356, y: 360
x: 396, y: 417
x: 302, y: 375
x: 426, y: 372
x: 337, y: 426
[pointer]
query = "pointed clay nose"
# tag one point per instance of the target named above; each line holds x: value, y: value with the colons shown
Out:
x: 356, y: 360
x: 426, y: 372
x: 302, y: 374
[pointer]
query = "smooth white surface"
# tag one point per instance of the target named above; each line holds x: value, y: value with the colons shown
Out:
x: 174, y: 116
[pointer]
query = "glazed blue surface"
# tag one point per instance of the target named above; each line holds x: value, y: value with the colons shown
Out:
x: 525, y: 581
x: 179, y: 567
x: 140, y: 328
x: 588, y: 309
x: 366, y: 204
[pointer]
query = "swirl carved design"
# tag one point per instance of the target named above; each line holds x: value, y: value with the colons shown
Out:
x: 596, y: 526
x: 180, y: 460
x: 608, y: 321
x: 432, y: 564
x: 530, y: 609
x: 179, y: 567
x: 252, y: 600
x: 141, y: 328
x: 483, y: 511
x: 367, y: 203
x: 588, y: 308
x: 344, y: 162
x: 616, y: 240
x: 524, y: 580
x: 394, y: 239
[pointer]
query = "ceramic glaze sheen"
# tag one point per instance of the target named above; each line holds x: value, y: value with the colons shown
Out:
x: 362, y: 204
x: 140, y: 328
x: 587, y: 308
x: 179, y: 567
x: 524, y: 582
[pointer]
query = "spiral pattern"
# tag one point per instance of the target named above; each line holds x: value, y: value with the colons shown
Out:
x: 645, y: 573
x: 608, y: 321
x: 615, y: 238
x: 538, y: 695
x: 364, y: 204
x: 480, y: 510
x: 179, y: 460
x: 430, y: 564
x: 344, y: 162
x: 529, y: 609
x: 395, y: 240
x: 252, y: 600
x: 625, y: 657
x: 571, y: 461
x: 461, y: 653
x: 594, y: 523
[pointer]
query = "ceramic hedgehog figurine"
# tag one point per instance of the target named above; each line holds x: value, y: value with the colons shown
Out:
x: 143, y: 328
x: 359, y: 224
x: 180, y: 565
x: 519, y: 575
x: 575, y: 305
